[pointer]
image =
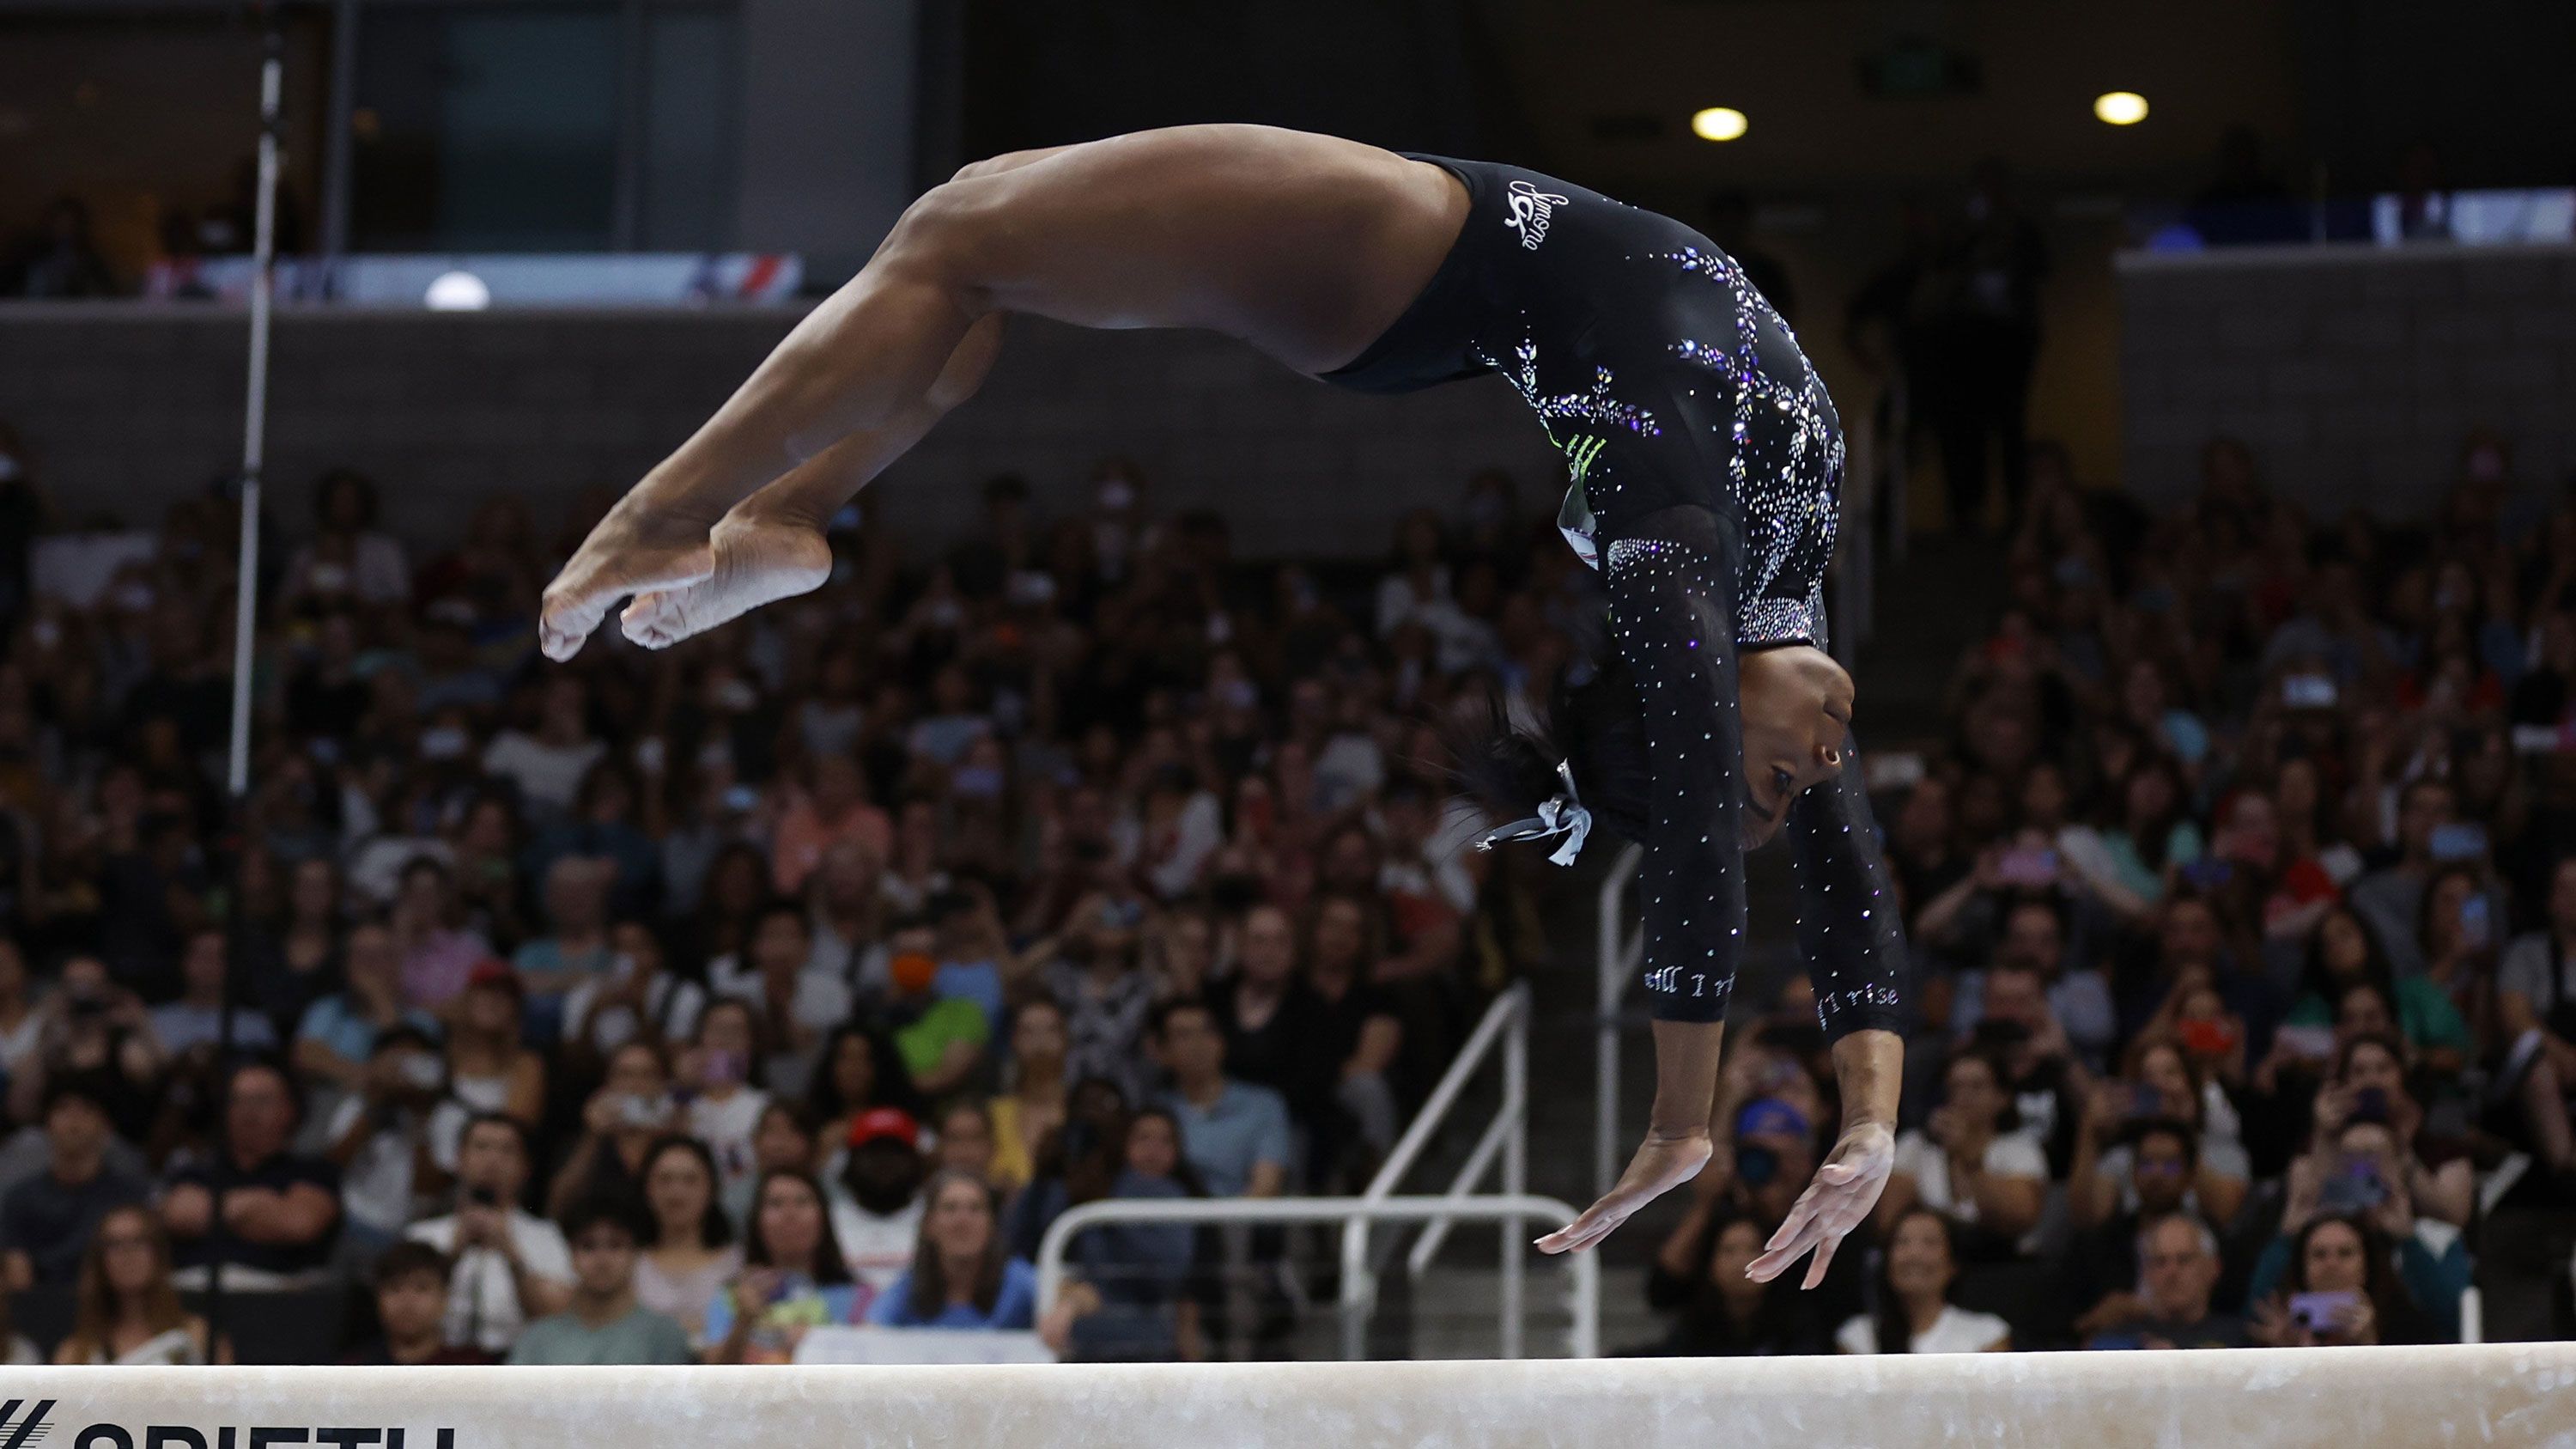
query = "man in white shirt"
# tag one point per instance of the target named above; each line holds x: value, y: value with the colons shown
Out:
x: 511, y: 1266
x: 876, y: 1206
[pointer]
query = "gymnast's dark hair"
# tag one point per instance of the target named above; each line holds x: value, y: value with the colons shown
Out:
x: 1593, y: 725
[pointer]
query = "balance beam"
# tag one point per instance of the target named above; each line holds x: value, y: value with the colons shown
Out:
x: 2331, y: 1398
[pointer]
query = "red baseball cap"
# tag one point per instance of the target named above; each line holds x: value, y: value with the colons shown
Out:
x: 491, y: 972
x: 878, y: 1123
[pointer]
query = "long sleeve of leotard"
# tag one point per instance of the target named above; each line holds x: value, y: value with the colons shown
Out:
x: 1849, y: 929
x: 1672, y: 588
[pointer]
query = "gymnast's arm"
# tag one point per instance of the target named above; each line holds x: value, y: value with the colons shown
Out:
x: 1849, y: 928
x: 1671, y: 579
x: 1854, y: 944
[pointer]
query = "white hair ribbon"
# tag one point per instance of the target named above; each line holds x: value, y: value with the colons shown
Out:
x: 1561, y: 814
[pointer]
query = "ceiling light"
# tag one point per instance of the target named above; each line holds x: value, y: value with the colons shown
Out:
x: 1718, y: 123
x: 2120, y: 108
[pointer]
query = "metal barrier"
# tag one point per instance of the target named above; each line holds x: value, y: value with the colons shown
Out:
x: 1506, y: 1023
x: 1505, y: 1141
x: 1510, y: 1209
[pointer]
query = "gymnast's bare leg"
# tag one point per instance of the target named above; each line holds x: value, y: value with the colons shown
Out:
x: 1306, y: 247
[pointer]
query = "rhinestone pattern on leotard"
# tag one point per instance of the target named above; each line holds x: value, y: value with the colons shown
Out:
x: 1706, y: 461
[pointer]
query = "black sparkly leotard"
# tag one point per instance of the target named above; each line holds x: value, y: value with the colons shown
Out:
x: 1707, y: 465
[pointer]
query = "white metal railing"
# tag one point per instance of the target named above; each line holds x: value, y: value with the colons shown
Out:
x: 1506, y: 1023
x: 1510, y: 1209
x: 1619, y: 954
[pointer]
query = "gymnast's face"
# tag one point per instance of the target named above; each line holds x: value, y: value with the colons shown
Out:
x: 1796, y: 705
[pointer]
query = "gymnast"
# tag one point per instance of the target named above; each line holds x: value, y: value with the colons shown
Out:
x: 1706, y: 461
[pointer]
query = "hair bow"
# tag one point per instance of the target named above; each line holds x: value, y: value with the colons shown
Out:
x: 1561, y: 814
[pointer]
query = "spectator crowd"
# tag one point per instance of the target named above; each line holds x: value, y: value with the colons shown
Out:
x: 2241, y: 890
x: 672, y: 1006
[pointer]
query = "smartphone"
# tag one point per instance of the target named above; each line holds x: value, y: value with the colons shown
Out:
x: 2319, y: 1311
x: 2146, y: 1101
x: 2477, y: 930
x: 2370, y: 1104
x: 2031, y: 866
x: 2207, y: 1038
x: 2308, y: 691
x: 2315, y: 1042
x: 2208, y: 872
x: 2463, y: 841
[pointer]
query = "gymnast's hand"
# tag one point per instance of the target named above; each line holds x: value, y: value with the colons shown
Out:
x: 1839, y: 1200
x: 1665, y: 1161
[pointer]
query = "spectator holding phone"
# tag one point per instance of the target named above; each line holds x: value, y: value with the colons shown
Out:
x: 639, y: 998
x: 511, y: 1266
x: 2046, y: 1080
x: 384, y: 1137
x: 2034, y: 939
x: 2369, y: 1084
x: 793, y: 1277
x: 620, y: 1122
x: 2157, y: 1084
x: 715, y: 1082
x: 2338, y: 1289
x: 2364, y: 1173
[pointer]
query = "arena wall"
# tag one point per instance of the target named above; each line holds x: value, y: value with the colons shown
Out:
x: 125, y: 409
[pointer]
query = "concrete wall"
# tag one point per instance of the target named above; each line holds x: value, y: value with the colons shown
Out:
x: 125, y: 409
x: 2353, y: 373
x: 826, y: 148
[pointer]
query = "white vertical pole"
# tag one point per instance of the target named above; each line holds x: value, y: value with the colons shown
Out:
x: 255, y: 413
x: 1515, y: 1169
x: 245, y: 605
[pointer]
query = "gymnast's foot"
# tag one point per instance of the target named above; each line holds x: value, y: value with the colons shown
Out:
x: 635, y: 550
x: 757, y: 561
